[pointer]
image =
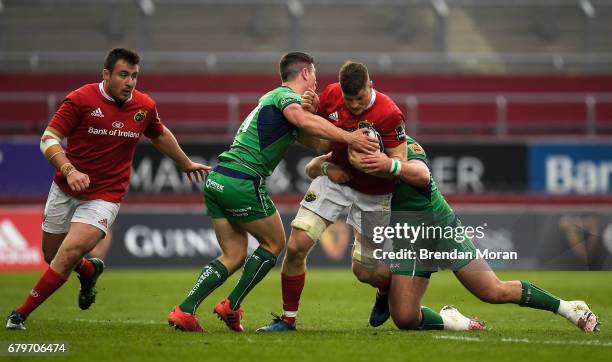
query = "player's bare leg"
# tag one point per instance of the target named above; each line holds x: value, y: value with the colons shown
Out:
x: 481, y: 281
x: 306, y: 229
x: 81, y: 238
x: 370, y: 271
x: 233, y: 242
x: 405, y: 297
x: 101, y: 249
x: 299, y: 246
x: 270, y: 234
x: 79, y: 241
x: 50, y: 244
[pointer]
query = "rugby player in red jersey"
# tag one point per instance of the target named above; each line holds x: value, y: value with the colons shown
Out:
x: 102, y: 123
x: 349, y: 104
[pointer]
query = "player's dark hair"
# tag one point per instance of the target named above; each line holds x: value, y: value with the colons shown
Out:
x: 129, y: 56
x: 353, y: 78
x: 292, y: 63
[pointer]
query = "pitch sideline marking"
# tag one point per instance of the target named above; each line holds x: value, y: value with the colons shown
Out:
x: 107, y: 321
x: 526, y: 340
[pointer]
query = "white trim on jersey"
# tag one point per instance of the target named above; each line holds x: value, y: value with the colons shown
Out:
x: 101, y: 87
x: 372, y: 99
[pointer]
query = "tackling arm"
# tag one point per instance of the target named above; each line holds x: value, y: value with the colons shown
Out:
x: 316, y: 144
x: 413, y: 172
x: 319, y: 166
x: 321, y: 128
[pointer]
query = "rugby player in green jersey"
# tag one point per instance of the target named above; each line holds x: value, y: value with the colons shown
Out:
x: 417, y: 201
x: 236, y: 196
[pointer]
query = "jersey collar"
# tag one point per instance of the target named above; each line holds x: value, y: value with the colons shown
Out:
x: 372, y: 100
x: 103, y: 92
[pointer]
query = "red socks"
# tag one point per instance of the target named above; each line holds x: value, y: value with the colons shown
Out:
x: 292, y: 287
x: 48, y: 283
x: 85, y: 269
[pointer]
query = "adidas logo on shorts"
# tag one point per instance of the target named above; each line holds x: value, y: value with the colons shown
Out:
x: 103, y: 222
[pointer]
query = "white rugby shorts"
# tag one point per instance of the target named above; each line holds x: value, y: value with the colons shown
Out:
x: 62, y: 209
x: 328, y: 199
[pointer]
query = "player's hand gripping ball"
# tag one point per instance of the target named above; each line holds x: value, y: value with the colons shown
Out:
x: 355, y: 156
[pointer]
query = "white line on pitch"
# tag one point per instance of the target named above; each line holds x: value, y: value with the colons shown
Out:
x: 525, y: 340
x: 107, y: 321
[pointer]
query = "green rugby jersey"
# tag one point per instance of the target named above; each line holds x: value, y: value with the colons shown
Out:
x: 265, y: 134
x: 428, y: 201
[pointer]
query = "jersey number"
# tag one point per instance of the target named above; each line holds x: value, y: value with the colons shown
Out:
x: 249, y: 119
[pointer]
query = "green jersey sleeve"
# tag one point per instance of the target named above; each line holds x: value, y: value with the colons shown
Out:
x: 283, y: 99
x: 415, y: 151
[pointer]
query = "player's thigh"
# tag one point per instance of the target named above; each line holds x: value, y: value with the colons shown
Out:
x: 233, y: 242
x: 51, y: 243
x: 80, y: 239
x: 268, y: 231
x: 88, y: 225
x: 405, y: 296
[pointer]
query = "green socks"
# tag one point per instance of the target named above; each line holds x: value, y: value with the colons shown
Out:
x: 430, y: 319
x: 255, y: 269
x: 534, y: 297
x: 212, y: 276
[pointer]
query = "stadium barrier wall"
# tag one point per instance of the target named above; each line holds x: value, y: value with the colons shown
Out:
x: 562, y: 168
x: 458, y: 168
x: 537, y: 168
x: 541, y: 238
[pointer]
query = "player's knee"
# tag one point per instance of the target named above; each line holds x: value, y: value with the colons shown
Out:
x: 275, y: 247
x: 362, y: 274
x: 406, y: 318
x: 296, y: 251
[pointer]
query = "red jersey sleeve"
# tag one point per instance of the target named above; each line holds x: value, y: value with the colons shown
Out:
x: 68, y: 116
x: 392, y: 129
x: 155, y: 127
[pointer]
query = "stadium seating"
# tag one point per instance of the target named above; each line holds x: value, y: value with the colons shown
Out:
x: 433, y: 104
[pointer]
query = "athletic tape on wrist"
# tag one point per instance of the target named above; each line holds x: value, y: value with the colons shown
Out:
x: 324, y: 167
x: 66, y: 169
x: 396, y: 167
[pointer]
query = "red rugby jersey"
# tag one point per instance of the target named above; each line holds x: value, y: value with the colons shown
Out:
x: 102, y: 137
x: 382, y: 114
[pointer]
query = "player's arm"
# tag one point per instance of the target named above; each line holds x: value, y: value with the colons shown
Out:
x: 398, y: 152
x: 413, y: 172
x: 319, y: 146
x: 319, y: 127
x: 51, y: 148
x: 167, y: 144
x: 319, y: 166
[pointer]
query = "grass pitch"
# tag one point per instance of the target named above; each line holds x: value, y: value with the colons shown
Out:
x: 128, y: 322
